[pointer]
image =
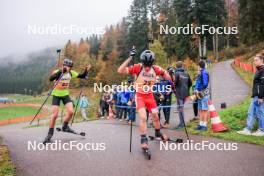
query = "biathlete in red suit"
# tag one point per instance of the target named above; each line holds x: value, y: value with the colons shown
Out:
x: 146, y: 74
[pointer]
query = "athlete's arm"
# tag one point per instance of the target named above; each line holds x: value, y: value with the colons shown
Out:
x: 172, y: 78
x: 123, y: 69
x: 167, y: 76
x: 85, y: 73
x: 55, y: 76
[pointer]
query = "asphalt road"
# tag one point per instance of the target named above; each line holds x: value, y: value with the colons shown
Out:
x: 116, y: 160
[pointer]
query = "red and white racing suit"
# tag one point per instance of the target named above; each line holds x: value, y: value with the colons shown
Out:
x: 146, y: 77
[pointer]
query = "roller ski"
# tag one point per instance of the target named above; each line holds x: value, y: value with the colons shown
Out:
x: 145, y: 148
x: 67, y: 129
x: 178, y: 140
x: 161, y: 137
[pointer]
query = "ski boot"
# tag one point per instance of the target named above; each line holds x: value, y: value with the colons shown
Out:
x: 49, y: 136
x: 66, y: 128
x: 160, y: 136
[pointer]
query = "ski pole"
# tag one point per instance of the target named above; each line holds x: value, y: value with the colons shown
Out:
x: 46, y: 98
x: 131, y: 127
x: 78, y: 100
x: 185, y: 129
x: 76, y: 107
x: 186, y: 132
x: 58, y: 62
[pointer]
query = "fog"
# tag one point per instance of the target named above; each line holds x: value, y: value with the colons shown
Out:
x: 32, y: 25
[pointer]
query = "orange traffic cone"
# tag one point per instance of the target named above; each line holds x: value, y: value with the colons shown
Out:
x: 111, y: 114
x: 217, y: 124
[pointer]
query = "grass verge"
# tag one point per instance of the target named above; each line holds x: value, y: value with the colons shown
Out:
x: 234, y: 118
x: 6, y: 166
x: 14, y: 112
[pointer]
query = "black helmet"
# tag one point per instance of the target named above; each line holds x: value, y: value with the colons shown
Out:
x: 147, y: 58
x: 67, y: 62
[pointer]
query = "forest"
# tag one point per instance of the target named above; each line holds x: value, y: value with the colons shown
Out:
x: 141, y: 28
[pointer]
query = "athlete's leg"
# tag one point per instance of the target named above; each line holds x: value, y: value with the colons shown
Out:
x: 143, y: 127
x: 156, y: 123
x: 55, y: 112
x: 153, y: 109
x: 140, y: 105
x: 54, y: 116
x: 65, y: 126
x: 69, y: 108
x: 143, y: 121
x: 155, y: 119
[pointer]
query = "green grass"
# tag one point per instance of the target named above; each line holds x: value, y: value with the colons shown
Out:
x: 6, y: 166
x: 246, y: 76
x: 28, y: 99
x: 91, y: 111
x: 234, y: 118
x: 13, y: 112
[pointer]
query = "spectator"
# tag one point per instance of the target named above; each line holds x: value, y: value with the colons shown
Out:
x: 195, y: 107
x: 110, y: 101
x: 163, y: 98
x: 83, y: 106
x: 114, y: 101
x: 159, y: 97
x: 256, y: 107
x: 132, y: 104
x: 183, y: 84
x: 209, y: 62
x: 118, y: 103
x: 104, y: 107
x: 166, y: 101
x: 125, y: 95
x: 202, y: 93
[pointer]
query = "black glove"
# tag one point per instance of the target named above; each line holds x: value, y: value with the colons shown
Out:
x: 64, y: 69
x: 83, y: 75
x: 171, y: 71
x: 133, y: 52
x: 55, y: 76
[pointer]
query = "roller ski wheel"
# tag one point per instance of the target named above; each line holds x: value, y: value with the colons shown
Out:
x: 146, y: 153
x: 145, y: 147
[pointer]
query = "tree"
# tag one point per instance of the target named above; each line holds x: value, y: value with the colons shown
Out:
x: 232, y: 20
x: 251, y: 24
x: 94, y: 42
x: 138, y: 25
x: 122, y: 46
x: 202, y: 12
x: 160, y: 54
